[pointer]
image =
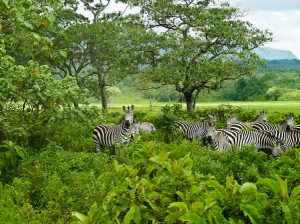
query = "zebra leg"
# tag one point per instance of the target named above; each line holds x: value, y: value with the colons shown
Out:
x: 113, y: 151
x: 98, y: 148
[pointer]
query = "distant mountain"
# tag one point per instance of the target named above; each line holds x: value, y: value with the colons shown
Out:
x: 274, y: 54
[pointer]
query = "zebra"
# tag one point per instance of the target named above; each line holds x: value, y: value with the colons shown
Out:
x: 296, y: 128
x: 193, y: 130
x: 287, y: 124
x: 224, y: 139
x: 136, y: 127
x: 147, y: 127
x: 234, y: 124
x: 111, y: 135
x: 290, y: 138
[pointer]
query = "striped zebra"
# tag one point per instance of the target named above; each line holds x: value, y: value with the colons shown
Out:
x: 296, y: 128
x: 111, y: 135
x: 225, y: 139
x: 193, y: 130
x: 136, y: 127
x: 287, y: 125
x: 290, y: 138
x: 234, y: 124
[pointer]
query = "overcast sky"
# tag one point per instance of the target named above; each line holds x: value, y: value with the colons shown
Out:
x: 281, y: 17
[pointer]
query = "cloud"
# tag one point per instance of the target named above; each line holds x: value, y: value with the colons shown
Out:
x: 283, y: 24
x: 267, y: 5
x: 281, y: 17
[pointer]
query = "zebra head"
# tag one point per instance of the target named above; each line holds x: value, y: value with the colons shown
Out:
x: 127, y: 119
x: 262, y: 117
x: 231, y: 119
x: 289, y: 122
x: 135, y: 130
x: 278, y: 148
x: 210, y: 126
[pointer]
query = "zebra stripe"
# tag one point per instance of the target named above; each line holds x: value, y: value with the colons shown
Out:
x: 225, y: 139
x: 111, y: 135
x: 192, y: 130
x: 237, y: 126
x: 287, y: 124
x: 290, y: 138
x: 234, y: 124
x: 296, y: 128
x: 136, y: 127
x: 219, y: 141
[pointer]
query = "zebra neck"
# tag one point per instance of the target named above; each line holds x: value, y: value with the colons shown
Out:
x: 125, y: 128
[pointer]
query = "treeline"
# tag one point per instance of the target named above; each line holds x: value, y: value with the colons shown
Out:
x: 271, y: 85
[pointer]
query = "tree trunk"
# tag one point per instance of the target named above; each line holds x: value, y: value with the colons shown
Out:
x: 189, y: 101
x: 195, y: 98
x: 102, y: 89
x: 103, y: 97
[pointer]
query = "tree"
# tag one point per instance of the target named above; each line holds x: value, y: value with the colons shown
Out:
x: 249, y: 89
x: 273, y: 93
x: 206, y: 43
x: 28, y: 91
x: 99, y: 50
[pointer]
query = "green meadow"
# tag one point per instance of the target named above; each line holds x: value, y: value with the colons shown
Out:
x: 270, y: 106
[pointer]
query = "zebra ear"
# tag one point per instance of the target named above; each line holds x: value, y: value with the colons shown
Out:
x: 124, y: 108
x: 132, y: 107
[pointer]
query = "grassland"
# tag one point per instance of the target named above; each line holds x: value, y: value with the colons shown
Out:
x: 270, y: 106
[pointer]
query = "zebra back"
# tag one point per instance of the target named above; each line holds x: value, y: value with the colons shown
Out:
x: 238, y: 139
x: 234, y: 124
x: 296, y: 128
x: 290, y: 138
x: 287, y: 124
x: 193, y: 130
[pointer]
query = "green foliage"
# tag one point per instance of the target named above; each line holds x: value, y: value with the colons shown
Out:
x: 49, y: 171
x: 161, y: 186
x: 249, y: 89
x: 191, y: 59
x: 10, y: 156
x: 273, y: 93
x: 54, y: 183
x: 291, y: 96
x: 152, y: 180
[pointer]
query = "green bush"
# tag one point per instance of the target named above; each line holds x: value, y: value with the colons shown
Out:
x: 160, y: 178
x: 291, y: 96
x: 153, y: 186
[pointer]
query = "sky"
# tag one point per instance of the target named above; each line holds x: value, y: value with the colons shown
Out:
x: 280, y: 17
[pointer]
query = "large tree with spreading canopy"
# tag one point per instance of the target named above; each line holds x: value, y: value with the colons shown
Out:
x: 204, y: 44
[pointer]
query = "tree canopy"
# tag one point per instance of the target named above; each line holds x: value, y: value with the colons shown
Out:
x: 204, y: 43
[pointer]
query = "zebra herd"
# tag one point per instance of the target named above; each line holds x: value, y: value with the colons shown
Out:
x: 275, y: 137
x: 262, y: 135
x: 112, y: 135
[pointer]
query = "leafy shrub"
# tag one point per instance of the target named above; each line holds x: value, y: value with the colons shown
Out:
x: 56, y: 182
x: 291, y: 96
x: 153, y: 186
